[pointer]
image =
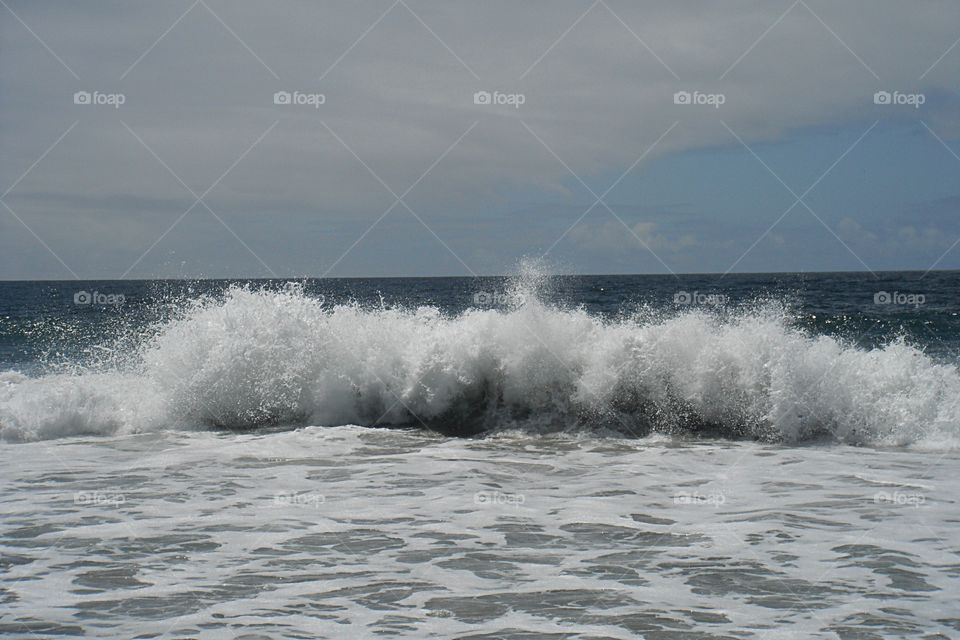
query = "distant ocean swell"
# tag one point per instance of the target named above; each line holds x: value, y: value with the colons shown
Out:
x: 257, y: 357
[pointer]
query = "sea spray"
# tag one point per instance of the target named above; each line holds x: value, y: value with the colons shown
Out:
x: 257, y: 357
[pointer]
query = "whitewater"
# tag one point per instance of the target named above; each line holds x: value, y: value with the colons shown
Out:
x: 258, y: 357
x: 410, y: 458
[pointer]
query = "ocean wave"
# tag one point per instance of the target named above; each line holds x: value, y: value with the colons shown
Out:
x: 259, y: 357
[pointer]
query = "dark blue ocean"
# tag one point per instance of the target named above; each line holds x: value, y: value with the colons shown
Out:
x: 41, y: 325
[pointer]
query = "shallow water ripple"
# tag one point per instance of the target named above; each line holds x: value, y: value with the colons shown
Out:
x: 327, y: 532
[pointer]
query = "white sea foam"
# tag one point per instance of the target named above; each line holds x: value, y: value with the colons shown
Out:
x: 258, y: 357
x: 352, y: 532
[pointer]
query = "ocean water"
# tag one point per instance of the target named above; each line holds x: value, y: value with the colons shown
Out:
x: 769, y: 456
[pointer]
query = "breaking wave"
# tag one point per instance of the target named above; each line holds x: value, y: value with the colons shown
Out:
x: 257, y: 357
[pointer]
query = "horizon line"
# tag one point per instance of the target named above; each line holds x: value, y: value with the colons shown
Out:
x: 449, y: 277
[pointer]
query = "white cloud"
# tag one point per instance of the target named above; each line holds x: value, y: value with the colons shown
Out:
x: 399, y: 98
x: 628, y: 238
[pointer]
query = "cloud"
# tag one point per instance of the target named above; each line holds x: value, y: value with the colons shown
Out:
x: 629, y: 238
x: 398, y: 107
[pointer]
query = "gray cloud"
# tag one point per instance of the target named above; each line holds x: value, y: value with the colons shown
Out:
x: 399, y: 97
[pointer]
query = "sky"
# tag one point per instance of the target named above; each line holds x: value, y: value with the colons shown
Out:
x: 215, y: 138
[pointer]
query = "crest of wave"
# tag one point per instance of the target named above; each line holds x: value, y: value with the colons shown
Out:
x: 260, y: 357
